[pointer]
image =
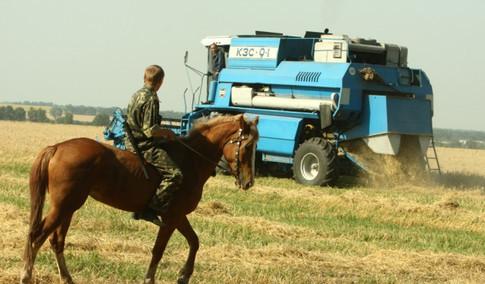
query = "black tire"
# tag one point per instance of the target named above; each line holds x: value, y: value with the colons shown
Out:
x: 315, y: 163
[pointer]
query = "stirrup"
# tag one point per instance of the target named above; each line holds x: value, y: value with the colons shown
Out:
x: 148, y: 215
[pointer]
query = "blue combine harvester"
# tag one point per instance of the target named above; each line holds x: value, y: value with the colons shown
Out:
x: 326, y: 103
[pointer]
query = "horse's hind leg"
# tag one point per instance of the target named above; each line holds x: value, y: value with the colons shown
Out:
x: 35, y: 240
x: 57, y: 240
x: 186, y: 229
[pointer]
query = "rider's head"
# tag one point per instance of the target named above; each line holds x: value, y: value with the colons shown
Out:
x: 154, y: 77
x: 213, y: 48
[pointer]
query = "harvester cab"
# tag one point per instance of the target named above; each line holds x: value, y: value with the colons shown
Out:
x: 323, y: 99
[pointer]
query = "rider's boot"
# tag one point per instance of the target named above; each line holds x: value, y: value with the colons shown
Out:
x: 161, y: 200
x: 149, y: 215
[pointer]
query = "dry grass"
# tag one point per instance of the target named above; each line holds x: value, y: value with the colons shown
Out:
x: 425, y: 231
x: 462, y: 160
x: 83, y: 117
x: 21, y: 141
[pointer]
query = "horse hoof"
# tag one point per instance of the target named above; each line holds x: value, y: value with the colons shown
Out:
x: 67, y: 281
x: 25, y: 278
x: 149, y: 281
x: 183, y: 280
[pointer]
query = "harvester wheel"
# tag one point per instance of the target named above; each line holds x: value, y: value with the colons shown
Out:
x: 315, y: 163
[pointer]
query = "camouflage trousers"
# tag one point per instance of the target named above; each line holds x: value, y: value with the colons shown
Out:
x: 170, y: 174
x: 171, y: 179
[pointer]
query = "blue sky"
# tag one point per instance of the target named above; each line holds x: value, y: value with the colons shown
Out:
x: 94, y: 52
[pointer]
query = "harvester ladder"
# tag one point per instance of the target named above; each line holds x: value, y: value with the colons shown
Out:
x: 430, y: 156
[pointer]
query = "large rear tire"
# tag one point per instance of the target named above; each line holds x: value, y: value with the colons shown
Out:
x: 315, y: 163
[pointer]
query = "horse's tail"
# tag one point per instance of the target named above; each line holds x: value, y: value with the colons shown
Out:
x: 38, y: 188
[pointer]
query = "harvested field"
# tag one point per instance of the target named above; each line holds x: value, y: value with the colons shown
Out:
x: 426, y: 231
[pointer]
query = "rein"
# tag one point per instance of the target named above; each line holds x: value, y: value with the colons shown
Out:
x: 237, y: 141
x: 200, y: 154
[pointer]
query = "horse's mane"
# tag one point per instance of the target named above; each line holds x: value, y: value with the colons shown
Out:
x: 204, y: 123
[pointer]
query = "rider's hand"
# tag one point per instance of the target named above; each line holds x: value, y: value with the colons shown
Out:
x: 169, y: 134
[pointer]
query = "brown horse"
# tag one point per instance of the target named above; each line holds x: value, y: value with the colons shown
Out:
x: 75, y: 169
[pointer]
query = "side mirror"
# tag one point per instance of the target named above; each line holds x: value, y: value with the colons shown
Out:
x: 186, y: 57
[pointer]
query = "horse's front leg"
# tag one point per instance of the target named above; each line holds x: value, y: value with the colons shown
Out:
x: 164, y: 234
x: 185, y: 228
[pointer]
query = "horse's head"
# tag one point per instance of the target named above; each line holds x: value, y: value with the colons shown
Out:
x: 239, y: 151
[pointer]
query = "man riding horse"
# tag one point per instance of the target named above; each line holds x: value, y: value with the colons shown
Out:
x: 73, y: 170
x: 144, y: 120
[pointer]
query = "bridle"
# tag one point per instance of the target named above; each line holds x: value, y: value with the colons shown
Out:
x: 238, y: 141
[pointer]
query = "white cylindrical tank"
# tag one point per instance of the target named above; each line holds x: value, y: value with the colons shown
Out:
x: 245, y: 96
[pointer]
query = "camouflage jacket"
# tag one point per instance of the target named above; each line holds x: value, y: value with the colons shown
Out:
x: 143, y: 116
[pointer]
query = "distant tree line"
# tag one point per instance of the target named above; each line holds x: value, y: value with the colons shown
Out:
x: 74, y: 109
x: 88, y: 110
x: 40, y: 115
x: 9, y: 113
x: 459, y: 138
x: 29, y: 103
x: 456, y: 134
x: 171, y: 114
x: 64, y: 114
x: 33, y: 114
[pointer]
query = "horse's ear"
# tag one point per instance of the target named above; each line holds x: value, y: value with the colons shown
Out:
x: 255, y: 121
x: 239, y: 116
x: 240, y: 119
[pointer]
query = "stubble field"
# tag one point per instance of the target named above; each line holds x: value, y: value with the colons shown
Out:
x: 427, y: 231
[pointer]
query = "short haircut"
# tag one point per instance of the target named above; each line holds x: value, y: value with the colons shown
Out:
x: 153, y: 75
